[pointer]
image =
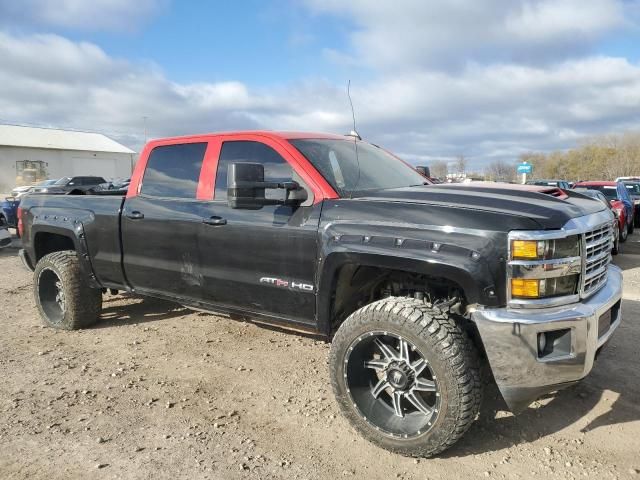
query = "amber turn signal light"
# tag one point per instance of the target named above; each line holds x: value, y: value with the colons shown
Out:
x: 525, y: 288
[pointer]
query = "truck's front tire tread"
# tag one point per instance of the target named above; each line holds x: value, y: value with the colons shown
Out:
x: 82, y: 303
x: 448, y: 342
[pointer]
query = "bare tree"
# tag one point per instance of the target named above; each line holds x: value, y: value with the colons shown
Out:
x: 500, y: 171
x: 439, y: 169
x: 460, y: 165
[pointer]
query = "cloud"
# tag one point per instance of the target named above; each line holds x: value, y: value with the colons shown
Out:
x: 416, y: 34
x: 512, y: 87
x: 115, y: 15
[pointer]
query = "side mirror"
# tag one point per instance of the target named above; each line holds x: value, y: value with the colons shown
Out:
x: 246, y: 188
x: 424, y: 171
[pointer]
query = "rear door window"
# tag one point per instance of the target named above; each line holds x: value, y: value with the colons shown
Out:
x: 173, y: 171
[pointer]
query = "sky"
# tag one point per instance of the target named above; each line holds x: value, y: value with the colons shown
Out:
x: 430, y: 80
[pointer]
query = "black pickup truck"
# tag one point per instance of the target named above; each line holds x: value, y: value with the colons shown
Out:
x: 417, y: 286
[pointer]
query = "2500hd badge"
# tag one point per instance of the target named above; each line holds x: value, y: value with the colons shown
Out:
x: 279, y: 282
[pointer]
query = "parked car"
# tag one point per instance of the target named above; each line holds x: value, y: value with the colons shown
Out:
x: 9, y: 212
x: 628, y: 179
x: 5, y: 237
x: 118, y: 186
x: 619, y: 197
x: 634, y: 192
x: 70, y: 185
x: 615, y: 249
x: 418, y: 287
x: 550, y: 183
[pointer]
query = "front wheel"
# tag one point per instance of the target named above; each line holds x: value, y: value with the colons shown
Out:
x: 406, y: 376
x: 62, y: 295
x: 624, y: 232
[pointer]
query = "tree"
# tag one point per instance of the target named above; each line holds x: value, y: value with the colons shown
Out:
x: 500, y: 171
x: 439, y: 169
x: 460, y: 165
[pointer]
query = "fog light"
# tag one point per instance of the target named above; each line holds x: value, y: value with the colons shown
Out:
x: 542, y: 343
x: 521, y: 287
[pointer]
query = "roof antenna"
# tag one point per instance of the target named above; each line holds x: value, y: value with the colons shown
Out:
x: 354, y: 132
x: 355, y: 136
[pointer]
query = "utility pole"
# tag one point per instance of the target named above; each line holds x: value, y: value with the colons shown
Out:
x: 144, y: 122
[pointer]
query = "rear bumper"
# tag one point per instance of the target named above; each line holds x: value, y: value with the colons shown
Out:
x: 510, y: 339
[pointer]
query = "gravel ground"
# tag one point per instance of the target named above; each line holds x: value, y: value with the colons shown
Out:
x: 159, y: 391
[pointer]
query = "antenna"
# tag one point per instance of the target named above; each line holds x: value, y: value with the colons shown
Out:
x: 354, y: 134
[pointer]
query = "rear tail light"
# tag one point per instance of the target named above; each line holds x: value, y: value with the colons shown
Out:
x: 20, y: 224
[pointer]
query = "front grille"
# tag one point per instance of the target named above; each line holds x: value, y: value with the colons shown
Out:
x: 597, y: 244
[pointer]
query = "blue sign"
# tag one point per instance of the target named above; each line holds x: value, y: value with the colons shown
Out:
x: 525, y: 168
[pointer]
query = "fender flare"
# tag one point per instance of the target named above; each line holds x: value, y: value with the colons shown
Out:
x: 466, y: 274
x: 71, y: 228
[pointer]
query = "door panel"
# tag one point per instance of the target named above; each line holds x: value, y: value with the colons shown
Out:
x: 159, y: 240
x: 262, y: 260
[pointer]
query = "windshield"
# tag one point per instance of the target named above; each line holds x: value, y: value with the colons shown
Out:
x: 633, y: 188
x: 610, y: 192
x: 373, y: 169
x: 63, y: 181
x: 46, y: 182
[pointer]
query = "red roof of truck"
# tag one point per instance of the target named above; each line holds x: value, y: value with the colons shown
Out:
x: 263, y: 133
x: 602, y: 183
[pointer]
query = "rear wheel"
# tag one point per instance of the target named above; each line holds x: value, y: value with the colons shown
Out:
x: 62, y: 295
x: 406, y: 376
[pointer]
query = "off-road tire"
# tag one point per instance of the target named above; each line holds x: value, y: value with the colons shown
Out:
x: 82, y: 304
x: 450, y: 353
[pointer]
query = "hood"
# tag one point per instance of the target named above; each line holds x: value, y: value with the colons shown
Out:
x: 549, y: 207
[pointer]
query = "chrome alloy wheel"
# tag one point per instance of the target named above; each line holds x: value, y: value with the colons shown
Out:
x: 52, y: 297
x: 391, y: 384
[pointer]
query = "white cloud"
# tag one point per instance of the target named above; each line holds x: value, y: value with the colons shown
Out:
x: 520, y: 79
x: 416, y: 34
x: 80, y: 14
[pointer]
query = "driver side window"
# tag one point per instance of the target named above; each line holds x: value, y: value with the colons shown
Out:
x: 276, y: 168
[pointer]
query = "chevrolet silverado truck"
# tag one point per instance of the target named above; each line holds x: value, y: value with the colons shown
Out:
x: 420, y: 288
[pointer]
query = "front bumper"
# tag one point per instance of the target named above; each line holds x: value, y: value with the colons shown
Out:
x: 510, y: 339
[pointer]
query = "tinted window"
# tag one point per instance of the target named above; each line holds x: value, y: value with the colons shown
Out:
x: 174, y: 170
x: 276, y: 168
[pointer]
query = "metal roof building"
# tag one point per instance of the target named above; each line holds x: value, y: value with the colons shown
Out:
x: 31, y: 154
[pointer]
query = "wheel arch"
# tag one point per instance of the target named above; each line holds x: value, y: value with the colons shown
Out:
x: 473, y: 279
x: 50, y: 238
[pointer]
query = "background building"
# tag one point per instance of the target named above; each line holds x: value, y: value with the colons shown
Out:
x: 30, y: 154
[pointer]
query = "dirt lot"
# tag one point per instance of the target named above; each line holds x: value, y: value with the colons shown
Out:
x: 158, y: 391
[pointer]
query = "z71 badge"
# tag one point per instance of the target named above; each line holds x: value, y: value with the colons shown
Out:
x: 294, y: 285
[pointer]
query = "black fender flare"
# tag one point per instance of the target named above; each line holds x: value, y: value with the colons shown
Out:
x: 71, y: 228
x: 473, y: 277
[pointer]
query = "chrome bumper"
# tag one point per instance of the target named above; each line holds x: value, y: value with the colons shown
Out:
x: 510, y: 339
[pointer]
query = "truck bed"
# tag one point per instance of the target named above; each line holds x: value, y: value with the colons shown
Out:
x: 96, y: 217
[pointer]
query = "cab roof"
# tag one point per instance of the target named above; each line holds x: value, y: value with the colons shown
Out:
x: 262, y: 133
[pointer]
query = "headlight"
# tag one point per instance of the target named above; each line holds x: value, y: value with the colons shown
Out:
x: 539, y: 269
x: 545, y: 249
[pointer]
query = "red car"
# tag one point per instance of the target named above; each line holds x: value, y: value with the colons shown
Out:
x: 620, y: 200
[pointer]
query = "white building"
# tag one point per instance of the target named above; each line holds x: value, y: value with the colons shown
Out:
x: 29, y: 154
